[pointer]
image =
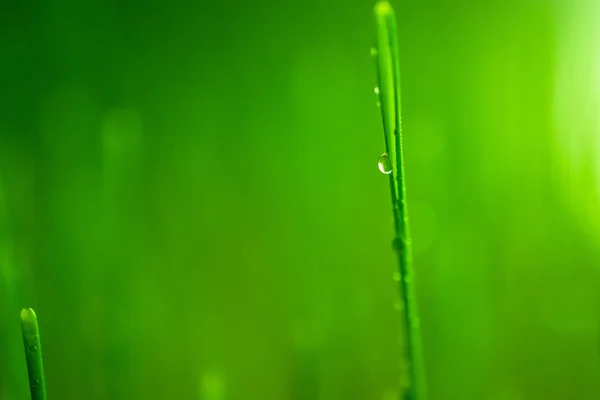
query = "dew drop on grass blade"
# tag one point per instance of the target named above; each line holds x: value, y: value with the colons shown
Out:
x: 388, y: 76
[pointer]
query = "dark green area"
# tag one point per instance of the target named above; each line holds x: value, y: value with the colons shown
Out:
x: 190, y: 199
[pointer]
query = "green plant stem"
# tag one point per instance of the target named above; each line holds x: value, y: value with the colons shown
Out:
x: 33, y: 354
x: 388, y: 71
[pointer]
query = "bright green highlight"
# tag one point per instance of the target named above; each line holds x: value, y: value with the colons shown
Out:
x: 388, y: 70
x: 33, y: 354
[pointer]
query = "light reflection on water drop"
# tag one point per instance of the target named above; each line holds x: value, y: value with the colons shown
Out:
x: 384, y: 164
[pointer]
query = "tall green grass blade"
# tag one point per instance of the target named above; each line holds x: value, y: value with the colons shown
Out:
x: 33, y: 354
x: 388, y: 71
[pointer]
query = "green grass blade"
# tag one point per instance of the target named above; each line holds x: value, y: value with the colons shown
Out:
x: 388, y: 71
x: 33, y: 354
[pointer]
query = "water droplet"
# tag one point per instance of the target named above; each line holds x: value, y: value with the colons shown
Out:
x: 376, y: 90
x: 396, y: 276
x: 398, y: 244
x: 384, y: 164
x: 378, y: 104
x: 373, y: 52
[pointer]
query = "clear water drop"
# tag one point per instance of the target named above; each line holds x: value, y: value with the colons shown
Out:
x: 398, y: 244
x: 384, y: 164
x: 373, y: 52
x: 396, y: 276
x: 376, y: 90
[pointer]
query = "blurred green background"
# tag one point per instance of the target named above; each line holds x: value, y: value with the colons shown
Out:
x: 191, y: 203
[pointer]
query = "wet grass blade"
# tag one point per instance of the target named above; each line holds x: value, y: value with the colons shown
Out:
x: 33, y: 354
x: 388, y: 72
